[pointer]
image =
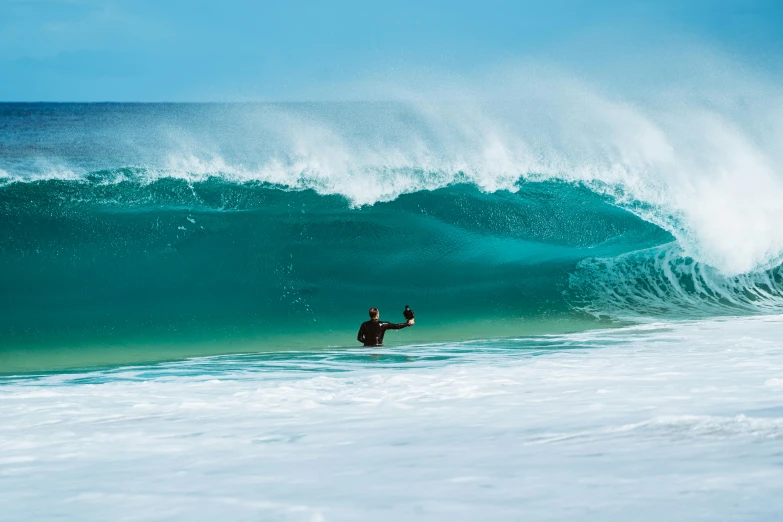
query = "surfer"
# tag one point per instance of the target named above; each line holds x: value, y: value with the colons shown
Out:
x: 371, y: 332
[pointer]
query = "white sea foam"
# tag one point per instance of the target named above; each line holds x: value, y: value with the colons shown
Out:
x: 661, y: 421
x: 44, y: 170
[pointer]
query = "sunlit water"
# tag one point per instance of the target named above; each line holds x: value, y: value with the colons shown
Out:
x: 678, y: 421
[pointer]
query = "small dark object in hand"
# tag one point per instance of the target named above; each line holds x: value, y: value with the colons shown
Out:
x: 408, y: 313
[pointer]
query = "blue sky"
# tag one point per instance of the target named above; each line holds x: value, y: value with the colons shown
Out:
x: 191, y: 50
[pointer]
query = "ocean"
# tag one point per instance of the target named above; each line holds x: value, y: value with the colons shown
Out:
x: 598, y: 312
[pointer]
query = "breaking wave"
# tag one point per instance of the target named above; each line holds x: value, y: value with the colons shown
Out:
x: 558, y: 208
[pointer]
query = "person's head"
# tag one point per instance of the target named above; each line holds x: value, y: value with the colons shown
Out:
x: 374, y: 314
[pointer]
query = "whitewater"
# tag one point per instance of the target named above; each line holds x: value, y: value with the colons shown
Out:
x: 596, y: 277
x: 666, y: 421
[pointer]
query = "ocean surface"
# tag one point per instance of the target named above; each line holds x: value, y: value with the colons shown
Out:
x: 597, y: 285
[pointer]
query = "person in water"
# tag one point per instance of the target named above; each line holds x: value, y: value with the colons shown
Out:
x: 371, y: 332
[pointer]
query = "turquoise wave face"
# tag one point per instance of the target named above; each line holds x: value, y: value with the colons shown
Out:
x: 91, y: 264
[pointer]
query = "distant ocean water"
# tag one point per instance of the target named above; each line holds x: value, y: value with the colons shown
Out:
x: 597, y: 288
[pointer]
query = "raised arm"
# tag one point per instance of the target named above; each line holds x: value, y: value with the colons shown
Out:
x: 395, y: 326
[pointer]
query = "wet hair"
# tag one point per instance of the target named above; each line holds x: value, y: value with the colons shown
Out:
x: 373, y: 313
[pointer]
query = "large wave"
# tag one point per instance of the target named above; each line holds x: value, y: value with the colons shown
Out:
x: 551, y: 210
x: 107, y: 262
x: 703, y: 164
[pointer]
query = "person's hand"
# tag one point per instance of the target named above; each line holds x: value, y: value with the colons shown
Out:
x: 411, y: 322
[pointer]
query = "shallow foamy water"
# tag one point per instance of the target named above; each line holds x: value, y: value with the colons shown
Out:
x: 658, y: 422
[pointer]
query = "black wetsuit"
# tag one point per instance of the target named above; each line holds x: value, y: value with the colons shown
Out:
x: 371, y: 332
